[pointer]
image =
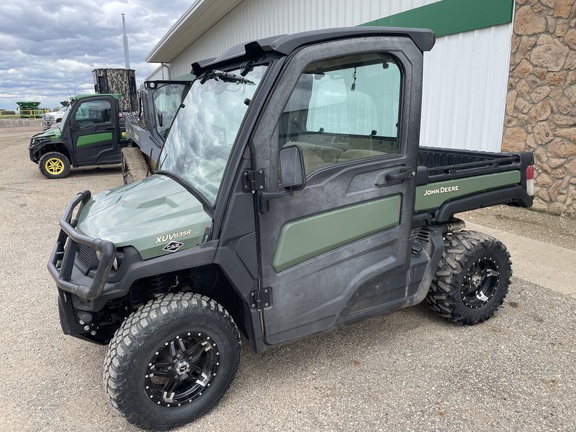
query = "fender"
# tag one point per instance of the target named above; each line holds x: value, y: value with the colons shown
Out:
x: 513, y: 195
x: 42, y: 148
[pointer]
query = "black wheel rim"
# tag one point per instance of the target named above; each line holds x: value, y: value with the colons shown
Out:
x: 182, y: 369
x: 480, y: 283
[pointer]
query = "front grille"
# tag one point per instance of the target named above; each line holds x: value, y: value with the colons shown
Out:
x: 84, y: 254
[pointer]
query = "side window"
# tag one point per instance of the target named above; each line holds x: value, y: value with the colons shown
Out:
x: 344, y: 109
x: 93, y: 112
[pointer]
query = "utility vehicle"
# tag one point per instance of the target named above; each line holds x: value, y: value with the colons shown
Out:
x: 99, y: 133
x: 91, y: 133
x: 158, y: 103
x: 290, y: 197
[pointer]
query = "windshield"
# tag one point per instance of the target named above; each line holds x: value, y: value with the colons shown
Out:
x: 65, y: 116
x: 205, y: 128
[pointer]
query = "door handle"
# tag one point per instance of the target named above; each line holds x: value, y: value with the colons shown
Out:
x: 403, y: 174
x: 394, y: 176
x: 264, y: 197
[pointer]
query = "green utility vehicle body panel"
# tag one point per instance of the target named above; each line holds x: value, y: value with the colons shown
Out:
x: 304, y: 239
x: 52, y: 134
x: 156, y: 215
x: 433, y: 195
x: 88, y: 140
x: 116, y: 96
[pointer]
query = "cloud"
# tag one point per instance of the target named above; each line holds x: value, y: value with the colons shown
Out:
x: 49, y: 49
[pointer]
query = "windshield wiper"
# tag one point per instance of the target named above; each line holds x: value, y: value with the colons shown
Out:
x: 226, y: 77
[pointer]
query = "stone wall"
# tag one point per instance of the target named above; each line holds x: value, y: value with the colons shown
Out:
x: 541, y: 103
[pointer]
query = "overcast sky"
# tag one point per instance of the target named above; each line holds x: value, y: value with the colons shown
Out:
x: 49, y: 48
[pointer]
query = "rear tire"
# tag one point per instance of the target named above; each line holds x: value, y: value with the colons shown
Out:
x: 472, y: 278
x: 54, y: 165
x: 171, y: 361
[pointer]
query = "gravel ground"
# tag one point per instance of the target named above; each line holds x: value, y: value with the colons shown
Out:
x: 406, y: 371
x: 558, y: 230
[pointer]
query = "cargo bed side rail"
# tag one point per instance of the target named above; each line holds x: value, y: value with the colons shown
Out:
x: 437, y: 164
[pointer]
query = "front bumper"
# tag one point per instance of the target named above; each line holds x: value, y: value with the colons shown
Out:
x: 61, y: 262
x: 33, y: 151
x: 94, y: 294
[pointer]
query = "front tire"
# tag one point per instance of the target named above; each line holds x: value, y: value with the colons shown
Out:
x: 472, y: 278
x: 133, y: 165
x: 54, y: 165
x: 171, y: 361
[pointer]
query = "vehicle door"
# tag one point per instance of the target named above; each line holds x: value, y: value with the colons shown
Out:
x: 167, y: 98
x: 94, y: 131
x: 337, y: 250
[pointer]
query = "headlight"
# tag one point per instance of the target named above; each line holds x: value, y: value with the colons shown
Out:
x: 38, y: 141
x: 114, y: 263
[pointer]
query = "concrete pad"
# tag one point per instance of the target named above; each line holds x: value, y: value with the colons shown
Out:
x: 544, y: 264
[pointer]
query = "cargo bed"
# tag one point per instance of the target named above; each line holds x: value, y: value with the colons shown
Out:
x: 453, y: 181
x: 444, y: 164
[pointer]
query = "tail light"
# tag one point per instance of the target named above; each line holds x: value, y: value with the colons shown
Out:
x: 530, y: 180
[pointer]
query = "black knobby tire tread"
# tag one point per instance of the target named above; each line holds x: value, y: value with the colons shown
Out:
x: 137, y: 328
x: 133, y: 165
x: 444, y: 296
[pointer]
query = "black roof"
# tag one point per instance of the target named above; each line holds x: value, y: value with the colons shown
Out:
x: 285, y: 44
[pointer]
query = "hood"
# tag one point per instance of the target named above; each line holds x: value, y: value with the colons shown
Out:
x: 52, y: 134
x: 156, y: 215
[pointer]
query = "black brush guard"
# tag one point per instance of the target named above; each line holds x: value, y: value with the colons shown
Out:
x: 62, y: 258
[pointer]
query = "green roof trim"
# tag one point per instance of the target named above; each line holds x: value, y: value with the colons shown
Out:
x: 448, y: 17
x: 116, y: 96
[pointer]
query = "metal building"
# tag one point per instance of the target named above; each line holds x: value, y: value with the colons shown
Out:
x: 466, y: 73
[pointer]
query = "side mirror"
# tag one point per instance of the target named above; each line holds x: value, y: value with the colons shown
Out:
x: 292, y: 173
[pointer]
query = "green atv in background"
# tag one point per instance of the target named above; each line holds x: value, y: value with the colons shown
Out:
x: 91, y: 133
x: 290, y: 197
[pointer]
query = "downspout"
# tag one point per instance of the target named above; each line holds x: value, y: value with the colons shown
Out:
x: 165, y: 66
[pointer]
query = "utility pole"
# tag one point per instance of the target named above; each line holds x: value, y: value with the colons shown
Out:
x: 126, y: 51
